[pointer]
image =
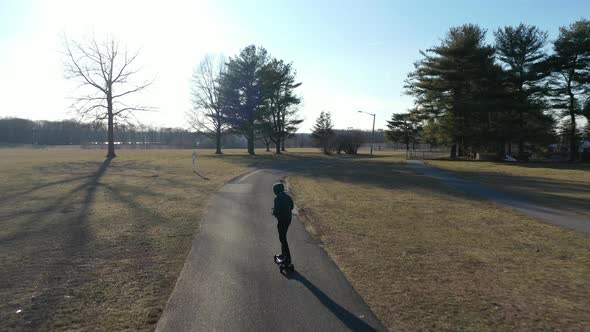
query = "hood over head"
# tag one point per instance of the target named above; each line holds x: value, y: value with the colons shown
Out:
x: 278, y: 188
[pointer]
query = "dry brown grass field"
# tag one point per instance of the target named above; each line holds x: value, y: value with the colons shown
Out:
x: 427, y: 258
x: 86, y: 244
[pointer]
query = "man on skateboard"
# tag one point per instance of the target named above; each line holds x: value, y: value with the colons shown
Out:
x: 283, y: 204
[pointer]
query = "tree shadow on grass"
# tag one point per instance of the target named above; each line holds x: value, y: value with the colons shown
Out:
x: 45, y: 185
x: 56, y: 247
x: 569, y: 195
x: 202, y: 177
x: 64, y: 257
x: 384, y: 173
x: 376, y: 171
x: 86, y: 190
x: 351, y: 321
x: 533, y: 164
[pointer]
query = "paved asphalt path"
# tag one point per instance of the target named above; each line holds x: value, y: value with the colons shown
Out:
x: 549, y: 215
x: 230, y: 282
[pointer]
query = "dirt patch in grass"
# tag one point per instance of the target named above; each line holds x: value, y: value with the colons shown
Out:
x: 427, y: 258
x: 558, y: 185
x: 88, y: 243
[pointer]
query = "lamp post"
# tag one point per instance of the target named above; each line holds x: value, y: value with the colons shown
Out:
x: 373, y: 131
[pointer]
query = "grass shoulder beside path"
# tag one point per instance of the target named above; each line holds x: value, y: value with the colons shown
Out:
x: 559, y: 185
x: 427, y: 258
x: 87, y: 244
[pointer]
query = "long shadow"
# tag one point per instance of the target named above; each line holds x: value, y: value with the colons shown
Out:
x: 386, y: 174
x: 64, y: 268
x: 73, y: 168
x: 202, y: 177
x: 141, y: 211
x: 79, y: 235
x: 558, y: 194
x: 349, y: 319
x: 375, y: 171
x: 45, y: 185
x: 535, y: 164
x: 89, y: 187
x: 71, y: 261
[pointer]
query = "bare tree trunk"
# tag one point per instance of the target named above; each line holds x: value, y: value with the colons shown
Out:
x: 278, y: 147
x: 520, y: 138
x: 521, y: 120
x: 571, y: 108
x: 250, y: 140
x: 283, y: 133
x: 110, y: 135
x: 218, y: 141
x: 573, y: 145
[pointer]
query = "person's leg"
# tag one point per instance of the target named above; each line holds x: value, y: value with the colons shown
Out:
x: 283, y: 228
x: 280, y: 231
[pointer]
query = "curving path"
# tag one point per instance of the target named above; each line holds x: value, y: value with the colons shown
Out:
x: 549, y: 215
x: 230, y: 282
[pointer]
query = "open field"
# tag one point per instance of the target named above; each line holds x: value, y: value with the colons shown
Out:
x: 559, y: 185
x: 87, y: 244
x: 426, y: 258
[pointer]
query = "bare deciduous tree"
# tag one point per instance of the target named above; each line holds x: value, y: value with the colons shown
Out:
x: 207, y: 113
x: 105, y: 72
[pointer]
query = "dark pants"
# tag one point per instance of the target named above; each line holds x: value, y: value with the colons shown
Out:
x: 283, y: 227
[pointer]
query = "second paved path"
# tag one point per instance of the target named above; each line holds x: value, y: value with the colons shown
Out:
x: 549, y: 215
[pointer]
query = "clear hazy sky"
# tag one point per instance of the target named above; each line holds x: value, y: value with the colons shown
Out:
x: 350, y: 55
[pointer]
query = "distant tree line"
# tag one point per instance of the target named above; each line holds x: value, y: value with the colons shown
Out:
x: 479, y: 97
x: 68, y: 132
x: 71, y: 132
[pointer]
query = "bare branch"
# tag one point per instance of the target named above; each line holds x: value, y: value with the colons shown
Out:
x: 206, y: 113
x: 122, y: 74
x: 136, y: 89
x: 75, y: 69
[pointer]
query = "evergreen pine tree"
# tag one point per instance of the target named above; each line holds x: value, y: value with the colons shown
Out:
x: 457, y: 85
x: 322, y: 132
x: 520, y: 49
x: 569, y: 83
x: 403, y: 127
x: 241, y: 92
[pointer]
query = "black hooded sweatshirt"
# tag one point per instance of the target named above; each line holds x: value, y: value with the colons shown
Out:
x: 283, y: 203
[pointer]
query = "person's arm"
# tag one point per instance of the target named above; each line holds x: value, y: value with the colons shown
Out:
x: 291, y: 204
x: 275, y: 209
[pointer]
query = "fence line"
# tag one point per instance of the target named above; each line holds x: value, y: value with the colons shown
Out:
x: 427, y: 154
x: 136, y: 146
